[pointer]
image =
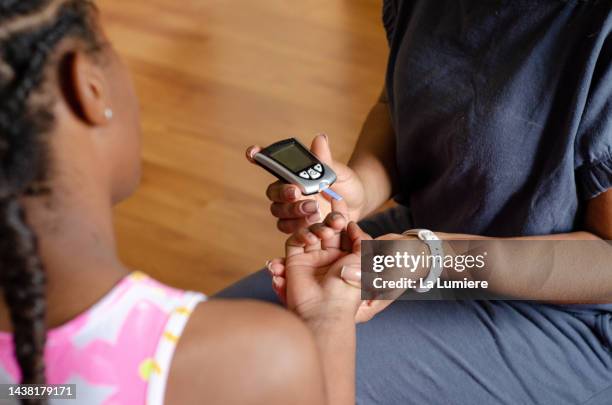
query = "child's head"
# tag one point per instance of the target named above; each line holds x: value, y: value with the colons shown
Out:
x: 68, y: 116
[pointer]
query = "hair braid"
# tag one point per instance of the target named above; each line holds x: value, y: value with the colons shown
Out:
x: 13, y: 8
x: 23, y: 281
x: 24, y: 164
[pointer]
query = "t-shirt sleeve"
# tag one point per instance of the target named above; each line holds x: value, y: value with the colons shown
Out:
x: 389, y: 18
x: 593, y: 158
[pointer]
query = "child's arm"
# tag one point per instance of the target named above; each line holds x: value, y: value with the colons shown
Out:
x: 315, y: 290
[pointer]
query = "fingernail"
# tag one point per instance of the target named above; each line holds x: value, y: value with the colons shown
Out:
x: 314, y: 218
x: 351, y: 274
x: 310, y: 207
x: 291, y: 193
x: 326, y: 137
x: 337, y: 215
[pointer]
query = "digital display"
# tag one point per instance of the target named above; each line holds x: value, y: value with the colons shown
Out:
x: 293, y: 158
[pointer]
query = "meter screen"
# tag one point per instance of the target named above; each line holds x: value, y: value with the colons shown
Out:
x: 293, y: 158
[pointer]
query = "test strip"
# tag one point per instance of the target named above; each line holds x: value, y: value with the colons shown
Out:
x: 332, y: 194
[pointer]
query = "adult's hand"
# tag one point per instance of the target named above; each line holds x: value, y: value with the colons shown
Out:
x: 295, y: 211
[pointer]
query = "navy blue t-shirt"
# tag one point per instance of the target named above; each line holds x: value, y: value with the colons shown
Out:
x: 502, y: 111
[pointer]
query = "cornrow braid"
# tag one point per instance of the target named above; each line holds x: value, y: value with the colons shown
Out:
x: 15, y: 8
x: 30, y: 31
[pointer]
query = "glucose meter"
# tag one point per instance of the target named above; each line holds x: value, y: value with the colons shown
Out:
x: 292, y: 162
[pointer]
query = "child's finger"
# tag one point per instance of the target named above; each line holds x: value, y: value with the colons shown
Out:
x: 307, y: 237
x: 276, y: 267
x: 330, y: 238
x: 279, y: 285
x: 313, y: 247
x: 322, y: 232
x: 294, y: 245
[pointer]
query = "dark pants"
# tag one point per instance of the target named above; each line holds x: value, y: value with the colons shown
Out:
x: 473, y: 352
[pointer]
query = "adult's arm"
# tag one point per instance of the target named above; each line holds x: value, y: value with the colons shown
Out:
x: 373, y: 158
x: 581, y: 271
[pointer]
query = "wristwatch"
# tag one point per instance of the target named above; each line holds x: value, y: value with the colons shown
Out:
x: 435, y: 249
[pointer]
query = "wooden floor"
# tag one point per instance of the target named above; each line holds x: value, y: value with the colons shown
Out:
x: 215, y: 76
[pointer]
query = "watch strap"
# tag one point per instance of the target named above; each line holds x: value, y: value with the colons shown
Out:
x: 434, y: 244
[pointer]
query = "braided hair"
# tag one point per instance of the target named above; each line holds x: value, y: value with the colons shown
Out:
x: 30, y: 31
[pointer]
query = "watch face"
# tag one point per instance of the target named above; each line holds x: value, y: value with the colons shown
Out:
x: 293, y: 157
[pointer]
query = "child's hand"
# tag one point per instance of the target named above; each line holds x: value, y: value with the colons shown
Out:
x: 330, y: 230
x: 317, y: 258
x: 331, y: 243
x: 335, y: 239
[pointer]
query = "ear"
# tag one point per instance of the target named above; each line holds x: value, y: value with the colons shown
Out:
x: 88, y: 91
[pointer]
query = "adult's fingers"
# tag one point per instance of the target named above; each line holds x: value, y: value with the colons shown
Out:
x: 394, y: 236
x: 336, y: 220
x: 340, y: 206
x: 320, y: 148
x: 283, y: 193
x: 293, y: 225
x: 302, y: 209
x: 351, y: 274
x: 251, y: 152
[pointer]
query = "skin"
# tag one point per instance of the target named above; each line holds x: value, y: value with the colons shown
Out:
x: 242, y: 352
x: 328, y: 305
x: 371, y: 168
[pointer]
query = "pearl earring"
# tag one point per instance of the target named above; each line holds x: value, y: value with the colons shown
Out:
x: 108, y: 113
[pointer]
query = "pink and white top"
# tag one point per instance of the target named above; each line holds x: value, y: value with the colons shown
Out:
x: 120, y: 350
